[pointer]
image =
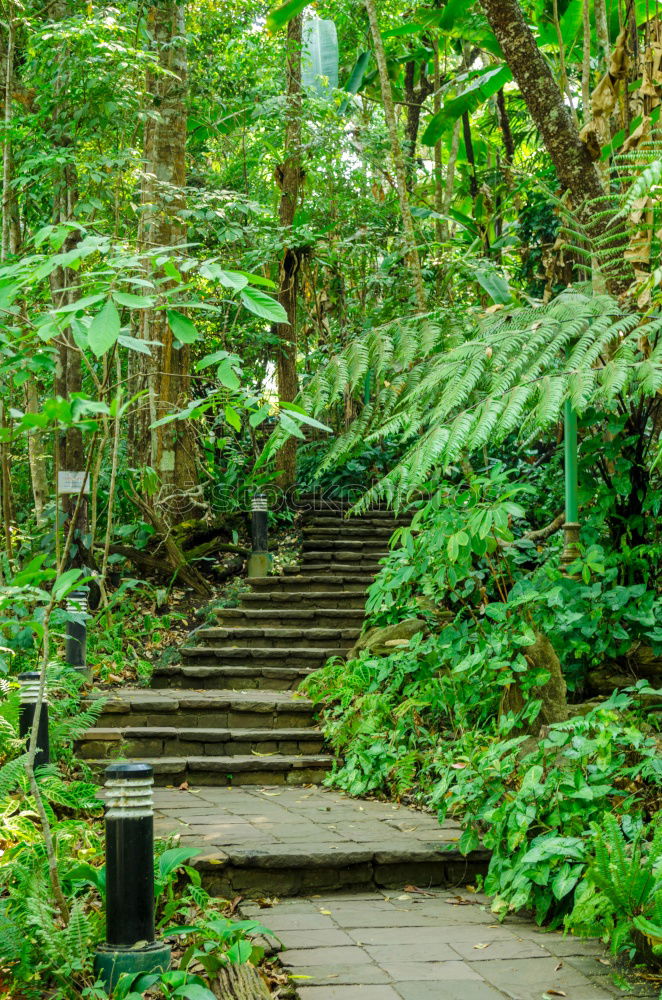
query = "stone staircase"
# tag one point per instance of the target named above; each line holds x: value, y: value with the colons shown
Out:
x: 228, y: 713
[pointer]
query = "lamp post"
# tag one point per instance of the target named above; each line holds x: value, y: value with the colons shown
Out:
x: 29, y: 696
x: 571, y: 526
x: 131, y: 946
x: 76, y: 638
x: 259, y: 560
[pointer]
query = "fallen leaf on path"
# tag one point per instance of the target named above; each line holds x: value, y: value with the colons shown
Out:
x: 327, y: 913
x: 184, y: 786
x: 557, y: 967
x: 419, y: 892
x: 483, y: 944
x: 555, y: 993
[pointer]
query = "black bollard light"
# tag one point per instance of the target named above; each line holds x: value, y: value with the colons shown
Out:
x: 131, y: 946
x: 76, y: 639
x: 259, y: 561
x: 29, y: 695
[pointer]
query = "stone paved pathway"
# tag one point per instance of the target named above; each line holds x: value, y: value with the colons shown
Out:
x: 374, y: 944
x: 442, y: 945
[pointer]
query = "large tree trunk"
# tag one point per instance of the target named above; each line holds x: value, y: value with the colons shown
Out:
x: 573, y: 163
x: 411, y: 249
x: 289, y: 176
x: 165, y: 374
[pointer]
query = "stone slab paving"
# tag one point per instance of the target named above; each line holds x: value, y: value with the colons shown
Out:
x: 430, y: 945
x: 407, y: 942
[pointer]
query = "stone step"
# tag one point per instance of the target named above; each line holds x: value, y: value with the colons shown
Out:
x: 338, y: 522
x: 345, y: 529
x: 260, y: 656
x: 296, y: 617
x: 347, y: 569
x: 206, y: 672
x: 282, y: 637
x: 172, y: 741
x: 341, y: 547
x: 275, y: 769
x: 332, y: 561
x: 323, y: 581
x: 305, y: 598
x: 290, y: 869
x: 218, y: 708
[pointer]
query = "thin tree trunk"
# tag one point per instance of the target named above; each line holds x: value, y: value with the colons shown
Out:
x: 6, y: 146
x: 165, y: 374
x: 415, y: 98
x: 289, y: 176
x: 438, y: 154
x: 36, y: 457
x: 602, y: 29
x: 64, y: 290
x: 544, y: 99
x: 450, y: 173
x: 586, y: 61
x: 411, y: 249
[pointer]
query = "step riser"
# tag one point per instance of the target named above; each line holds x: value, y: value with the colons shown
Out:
x: 349, y: 531
x: 310, y: 566
x: 246, y: 618
x: 257, y: 883
x: 232, y: 682
x: 335, y: 601
x: 291, y: 585
x: 342, y: 549
x: 222, y: 779
x: 130, y: 748
x: 339, y: 641
x: 285, y: 718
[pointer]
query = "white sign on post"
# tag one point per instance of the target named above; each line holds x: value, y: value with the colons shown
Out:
x: 72, y: 482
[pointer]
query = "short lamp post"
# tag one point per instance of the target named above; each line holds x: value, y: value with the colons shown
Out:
x: 29, y: 696
x: 259, y: 561
x: 131, y: 946
x: 76, y: 639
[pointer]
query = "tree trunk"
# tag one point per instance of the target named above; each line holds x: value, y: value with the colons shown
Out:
x: 574, y: 167
x: 415, y: 97
x: 289, y: 176
x: 411, y: 249
x: 165, y: 374
x: 64, y: 290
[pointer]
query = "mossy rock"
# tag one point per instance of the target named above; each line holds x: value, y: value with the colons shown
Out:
x: 388, y: 638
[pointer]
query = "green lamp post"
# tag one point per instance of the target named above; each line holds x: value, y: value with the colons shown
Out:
x: 571, y: 525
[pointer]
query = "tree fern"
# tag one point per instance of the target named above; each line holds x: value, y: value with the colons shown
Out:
x: 510, y: 375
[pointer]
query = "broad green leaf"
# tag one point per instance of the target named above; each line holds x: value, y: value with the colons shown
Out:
x: 133, y: 301
x: 134, y: 344
x: 481, y: 88
x: 227, y: 376
x: 182, y: 327
x: 174, y: 858
x: 66, y: 582
x: 299, y: 414
x: 232, y: 417
x: 319, y: 58
x: 88, y: 300
x: 355, y: 81
x: 259, y: 416
x: 211, y: 359
x: 229, y: 279
x: 290, y: 426
x: 258, y: 279
x: 495, y: 286
x: 240, y: 952
x: 192, y: 991
x: 263, y: 305
x: 285, y: 13
x: 104, y: 329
